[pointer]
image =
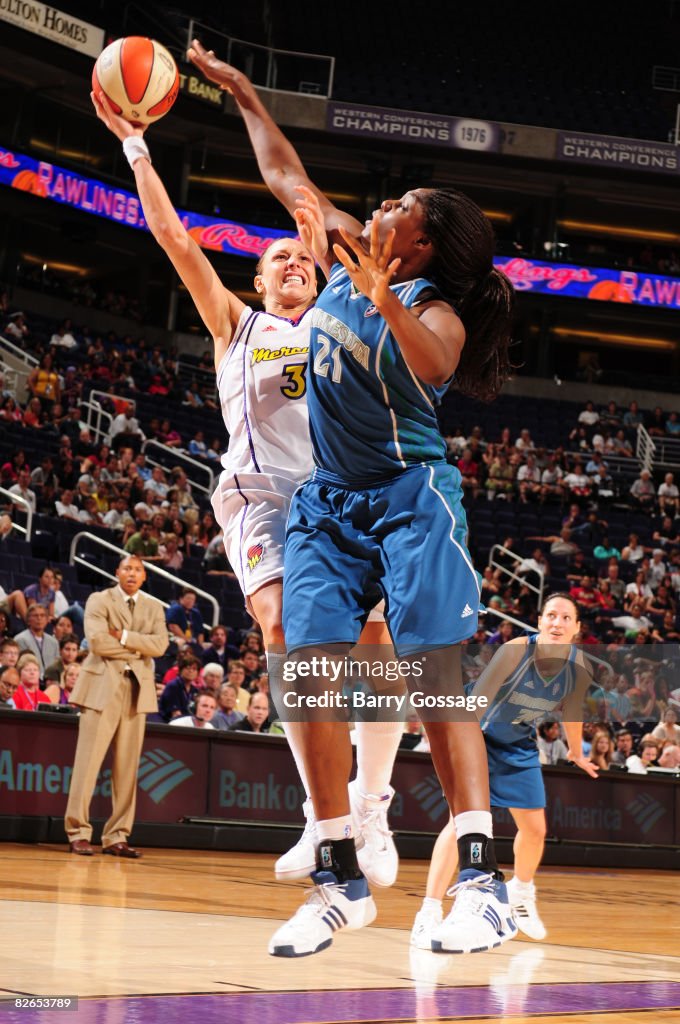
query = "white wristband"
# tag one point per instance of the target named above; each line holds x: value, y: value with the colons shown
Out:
x: 135, y: 147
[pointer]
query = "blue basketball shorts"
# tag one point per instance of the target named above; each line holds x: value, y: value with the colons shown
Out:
x: 515, y: 776
x: 403, y: 540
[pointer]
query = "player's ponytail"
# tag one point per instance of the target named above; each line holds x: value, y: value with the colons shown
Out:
x: 463, y: 270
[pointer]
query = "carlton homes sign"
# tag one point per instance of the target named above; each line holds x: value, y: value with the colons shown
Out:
x: 51, y: 23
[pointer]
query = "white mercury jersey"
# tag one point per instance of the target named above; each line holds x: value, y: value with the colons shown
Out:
x: 263, y: 393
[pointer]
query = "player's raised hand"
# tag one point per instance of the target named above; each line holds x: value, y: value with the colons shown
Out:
x: 310, y: 223
x: 218, y: 71
x: 121, y: 128
x: 375, y: 269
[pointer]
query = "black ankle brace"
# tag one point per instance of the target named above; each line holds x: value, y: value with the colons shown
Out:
x: 338, y: 856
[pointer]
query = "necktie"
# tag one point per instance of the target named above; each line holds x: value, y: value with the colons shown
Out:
x: 131, y: 605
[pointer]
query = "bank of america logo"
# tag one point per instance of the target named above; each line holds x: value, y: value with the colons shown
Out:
x: 159, y: 773
x: 645, y: 811
x: 430, y: 798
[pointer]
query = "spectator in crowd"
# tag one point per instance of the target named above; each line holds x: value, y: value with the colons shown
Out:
x: 413, y: 732
x: 673, y: 425
x: 649, y: 750
x: 670, y: 757
x: 142, y: 544
x: 69, y: 649
x: 669, y: 496
x: 204, y: 712
x: 257, y: 715
x: 9, y: 681
x: 251, y: 662
x: 9, y: 652
x: 215, y: 560
x: 62, y: 626
x: 633, y: 550
x: 22, y: 488
x: 524, y: 442
x: 577, y: 483
x: 63, y: 338
x: 632, y: 418
x: 655, y: 422
x: 501, y: 635
x: 170, y: 555
x: 60, y: 693
x: 638, y: 591
x: 125, y: 428
x: 178, y: 696
x: 560, y: 544
x: 501, y: 478
x: 43, y: 647
x: 17, y: 329
x: 642, y: 490
x: 213, y: 676
x: 227, y: 715
x: 197, y: 446
x: 605, y: 550
x: 602, y: 750
x: 625, y: 747
x: 551, y: 480
x: 220, y: 650
x: 43, y: 382
x: 551, y: 748
x: 529, y: 479
x: 184, y: 619
x: 634, y: 621
x: 28, y: 694
x: 668, y: 730
x: 619, y: 445
x: 586, y: 596
x: 589, y: 416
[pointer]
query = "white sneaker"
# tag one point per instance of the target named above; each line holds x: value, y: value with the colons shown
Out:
x: 300, y: 860
x: 480, y: 919
x: 427, y: 919
x: 523, y: 902
x: 329, y: 907
x: 376, y: 853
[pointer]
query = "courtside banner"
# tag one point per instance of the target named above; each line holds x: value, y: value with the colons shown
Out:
x: 51, y: 23
x: 613, y: 151
x: 600, y: 283
x: 48, y: 181
x: 410, y: 126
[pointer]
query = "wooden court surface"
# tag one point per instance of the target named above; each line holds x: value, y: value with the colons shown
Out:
x: 182, y: 936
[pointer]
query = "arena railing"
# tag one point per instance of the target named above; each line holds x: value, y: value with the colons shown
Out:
x: 504, y: 617
x: 100, y: 416
x: 175, y: 454
x: 660, y: 452
x: 76, y: 559
x: 644, y: 448
x: 516, y: 577
x: 18, y: 500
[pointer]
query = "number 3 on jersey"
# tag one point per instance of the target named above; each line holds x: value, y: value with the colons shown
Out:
x: 321, y: 363
x: 294, y: 373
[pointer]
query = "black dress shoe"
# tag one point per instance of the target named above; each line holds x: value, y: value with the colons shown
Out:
x: 82, y: 847
x: 122, y: 850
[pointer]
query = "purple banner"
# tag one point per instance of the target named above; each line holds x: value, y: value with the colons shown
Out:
x: 407, y: 126
x: 600, y: 283
x: 613, y: 151
x: 61, y: 186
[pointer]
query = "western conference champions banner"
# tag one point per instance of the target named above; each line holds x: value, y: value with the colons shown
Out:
x: 48, y: 181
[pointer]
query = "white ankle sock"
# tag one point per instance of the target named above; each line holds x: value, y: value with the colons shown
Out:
x: 335, y: 828
x: 479, y: 822
x: 430, y: 903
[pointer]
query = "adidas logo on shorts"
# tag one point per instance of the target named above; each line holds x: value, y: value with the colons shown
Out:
x: 467, y: 610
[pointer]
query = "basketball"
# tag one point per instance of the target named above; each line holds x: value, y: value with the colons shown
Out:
x: 138, y: 77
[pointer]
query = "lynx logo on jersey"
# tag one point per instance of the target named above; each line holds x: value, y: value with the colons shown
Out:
x: 255, y: 554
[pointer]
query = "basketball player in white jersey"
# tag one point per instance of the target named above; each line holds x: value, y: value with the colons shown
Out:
x: 261, y: 359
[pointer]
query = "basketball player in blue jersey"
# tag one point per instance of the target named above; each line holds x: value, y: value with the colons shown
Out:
x: 528, y: 679
x: 261, y: 362
x: 413, y: 302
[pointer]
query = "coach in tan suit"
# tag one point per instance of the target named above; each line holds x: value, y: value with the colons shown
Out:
x: 125, y: 630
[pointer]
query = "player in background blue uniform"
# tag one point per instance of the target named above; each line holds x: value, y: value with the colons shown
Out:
x: 529, y: 679
x: 413, y: 300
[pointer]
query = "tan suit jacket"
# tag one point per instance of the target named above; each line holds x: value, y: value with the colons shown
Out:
x: 103, y: 669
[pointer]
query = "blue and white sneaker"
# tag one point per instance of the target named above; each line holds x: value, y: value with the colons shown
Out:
x: 480, y: 919
x: 330, y: 906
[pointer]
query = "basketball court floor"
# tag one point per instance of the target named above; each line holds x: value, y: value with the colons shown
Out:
x: 181, y: 937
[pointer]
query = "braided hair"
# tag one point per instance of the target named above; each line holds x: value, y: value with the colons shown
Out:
x: 483, y: 297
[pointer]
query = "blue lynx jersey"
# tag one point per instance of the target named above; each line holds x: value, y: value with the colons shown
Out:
x: 370, y: 416
x: 525, y: 698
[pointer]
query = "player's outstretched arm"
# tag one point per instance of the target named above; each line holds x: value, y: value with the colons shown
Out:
x: 504, y: 662
x: 219, y: 308
x: 279, y: 163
